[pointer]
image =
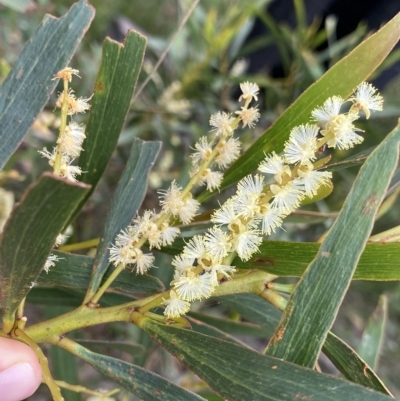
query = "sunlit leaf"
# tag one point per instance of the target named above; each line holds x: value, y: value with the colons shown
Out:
x: 378, y: 262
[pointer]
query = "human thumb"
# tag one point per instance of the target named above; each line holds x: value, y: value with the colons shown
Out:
x: 20, y: 372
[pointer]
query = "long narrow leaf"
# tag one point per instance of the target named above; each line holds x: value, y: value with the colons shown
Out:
x: 313, y: 306
x: 346, y: 360
x: 237, y: 373
x: 20, y: 6
x: 351, y: 365
x: 126, y: 201
x: 231, y: 326
x: 71, y: 298
x: 204, y: 328
x: 255, y: 309
x: 30, y: 234
x: 372, y: 339
x: 146, y: 385
x: 125, y: 346
x: 113, y: 90
x: 378, y: 262
x: 29, y: 85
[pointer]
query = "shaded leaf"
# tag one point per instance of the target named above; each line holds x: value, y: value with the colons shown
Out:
x: 54, y: 296
x: 126, y: 346
x: 255, y: 309
x: 113, y: 90
x: 340, y: 80
x: 211, y: 396
x: 74, y: 271
x: 126, y: 201
x: 346, y: 360
x: 231, y: 326
x: 69, y: 297
x: 372, y: 339
x: 30, y: 233
x: 28, y: 86
x: 351, y: 365
x: 238, y: 373
x: 304, y: 325
x: 146, y: 385
x: 204, y: 328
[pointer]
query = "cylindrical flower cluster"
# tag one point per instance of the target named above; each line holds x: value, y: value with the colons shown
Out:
x: 210, y: 158
x: 257, y: 209
x: 262, y: 201
x: 71, y: 136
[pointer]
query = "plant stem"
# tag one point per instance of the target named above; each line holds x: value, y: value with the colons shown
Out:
x: 154, y: 303
x: 83, y: 316
x: 164, y: 216
x: 80, y: 245
x: 193, y: 181
x: 20, y: 310
x: 254, y: 282
x: 64, y: 112
x: 8, y: 324
x: 81, y: 389
x: 154, y: 316
x: 47, y: 378
x: 229, y: 258
x: 274, y: 298
x: 109, y: 281
x: 286, y: 288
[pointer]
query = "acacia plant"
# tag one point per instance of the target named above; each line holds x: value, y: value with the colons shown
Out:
x: 232, y: 259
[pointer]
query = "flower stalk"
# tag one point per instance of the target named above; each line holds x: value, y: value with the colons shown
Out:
x: 71, y: 135
x: 64, y: 114
x: 177, y: 203
x: 47, y: 378
x: 258, y: 208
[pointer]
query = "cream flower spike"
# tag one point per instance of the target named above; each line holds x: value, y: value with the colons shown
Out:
x: 66, y: 74
x: 328, y: 111
x: 221, y: 124
x: 249, y: 116
x: 192, y: 286
x: 274, y: 164
x: 250, y: 91
x: 365, y: 99
x: 302, y: 144
x: 175, y: 306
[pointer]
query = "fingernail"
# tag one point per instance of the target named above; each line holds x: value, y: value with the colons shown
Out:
x: 17, y: 382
